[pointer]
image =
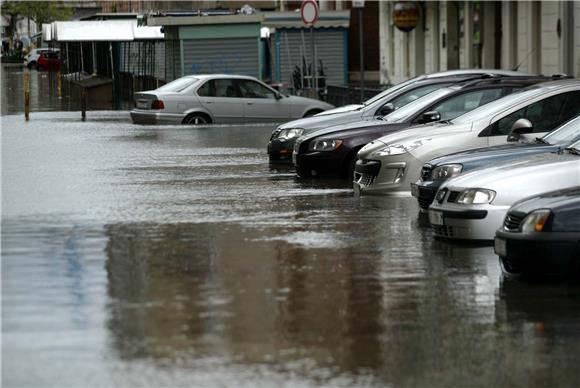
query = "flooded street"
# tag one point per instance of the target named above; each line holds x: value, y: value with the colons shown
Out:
x: 177, y: 256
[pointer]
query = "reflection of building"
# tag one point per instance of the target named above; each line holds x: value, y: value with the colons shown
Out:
x: 536, y: 37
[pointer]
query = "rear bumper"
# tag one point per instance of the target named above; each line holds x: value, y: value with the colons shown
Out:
x: 155, y: 118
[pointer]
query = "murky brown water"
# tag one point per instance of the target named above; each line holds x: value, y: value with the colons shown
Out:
x: 176, y: 256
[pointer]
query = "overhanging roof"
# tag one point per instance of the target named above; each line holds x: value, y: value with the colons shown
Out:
x: 101, y: 31
x: 202, y: 20
x: 326, y: 19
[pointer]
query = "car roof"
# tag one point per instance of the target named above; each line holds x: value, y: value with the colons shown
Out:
x: 213, y: 76
x: 463, y: 72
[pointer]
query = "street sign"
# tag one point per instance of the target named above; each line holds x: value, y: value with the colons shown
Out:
x: 309, y: 12
x: 358, y: 3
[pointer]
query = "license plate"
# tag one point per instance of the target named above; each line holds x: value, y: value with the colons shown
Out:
x: 500, y: 247
x: 294, y: 158
x: 414, y: 190
x: 356, y: 189
x: 142, y: 104
x: 436, y: 217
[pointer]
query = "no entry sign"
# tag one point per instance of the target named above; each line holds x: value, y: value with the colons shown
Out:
x: 309, y: 12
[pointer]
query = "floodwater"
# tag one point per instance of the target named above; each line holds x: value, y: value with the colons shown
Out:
x: 176, y: 256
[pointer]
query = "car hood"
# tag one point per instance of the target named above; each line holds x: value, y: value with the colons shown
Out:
x: 361, y: 124
x: 424, y: 132
x: 523, y: 177
x: 341, y: 109
x: 555, y: 200
x: 316, y: 122
x: 488, y: 155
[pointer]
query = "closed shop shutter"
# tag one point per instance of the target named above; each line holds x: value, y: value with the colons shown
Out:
x: 294, y: 48
x: 230, y: 56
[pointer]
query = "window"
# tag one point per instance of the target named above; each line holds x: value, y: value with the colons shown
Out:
x: 220, y: 88
x: 178, y: 85
x: 252, y: 89
x: 544, y: 115
x: 458, y: 105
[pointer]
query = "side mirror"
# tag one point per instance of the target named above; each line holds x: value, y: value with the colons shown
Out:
x: 520, y: 127
x: 429, y: 117
x: 278, y: 95
x: 386, y: 109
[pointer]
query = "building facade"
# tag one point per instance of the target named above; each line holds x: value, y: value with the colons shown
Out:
x: 531, y: 36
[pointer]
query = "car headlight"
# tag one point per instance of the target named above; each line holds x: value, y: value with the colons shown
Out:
x: 475, y: 196
x: 398, y: 149
x: 290, y: 133
x: 325, y: 145
x: 446, y: 171
x: 535, y: 221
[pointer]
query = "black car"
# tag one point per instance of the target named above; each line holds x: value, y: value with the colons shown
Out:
x: 332, y: 151
x: 284, y: 136
x: 541, y: 235
x: 438, y: 170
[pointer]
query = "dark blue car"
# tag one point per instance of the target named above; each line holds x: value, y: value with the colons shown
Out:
x: 541, y: 235
x: 438, y: 170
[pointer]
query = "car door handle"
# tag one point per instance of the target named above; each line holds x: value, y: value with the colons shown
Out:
x: 250, y: 103
x: 208, y: 102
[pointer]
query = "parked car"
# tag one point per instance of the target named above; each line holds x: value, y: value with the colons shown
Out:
x: 48, y: 61
x: 220, y: 99
x: 332, y: 151
x: 31, y: 58
x: 472, y: 206
x: 541, y: 235
x: 283, y: 137
x: 435, y: 172
x: 391, y: 163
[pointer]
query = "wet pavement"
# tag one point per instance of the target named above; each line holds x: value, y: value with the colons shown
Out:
x: 177, y: 256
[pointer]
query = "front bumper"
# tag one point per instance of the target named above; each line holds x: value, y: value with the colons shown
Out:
x: 321, y: 163
x: 139, y: 116
x: 466, y: 222
x: 425, y: 192
x: 388, y: 175
x: 539, y: 253
x: 280, y: 150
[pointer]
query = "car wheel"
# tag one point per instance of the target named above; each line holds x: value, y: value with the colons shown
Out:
x: 32, y: 65
x: 196, y: 119
x: 312, y: 112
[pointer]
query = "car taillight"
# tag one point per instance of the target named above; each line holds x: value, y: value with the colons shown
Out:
x: 157, y: 104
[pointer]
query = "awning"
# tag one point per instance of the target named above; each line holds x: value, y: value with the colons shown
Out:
x: 101, y: 31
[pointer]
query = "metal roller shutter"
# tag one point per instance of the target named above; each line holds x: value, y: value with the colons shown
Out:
x: 230, y: 56
x: 295, y: 44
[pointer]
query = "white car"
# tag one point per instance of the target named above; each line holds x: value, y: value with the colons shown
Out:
x: 390, y: 164
x: 220, y: 99
x: 31, y: 58
x: 473, y: 206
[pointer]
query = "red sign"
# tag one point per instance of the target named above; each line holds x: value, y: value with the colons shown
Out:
x: 309, y: 12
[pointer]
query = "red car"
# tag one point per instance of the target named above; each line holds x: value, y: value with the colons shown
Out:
x: 48, y: 61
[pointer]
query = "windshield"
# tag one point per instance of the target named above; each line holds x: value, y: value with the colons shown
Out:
x: 566, y: 133
x: 400, y: 115
x: 178, y: 85
x: 390, y: 90
x: 494, y: 107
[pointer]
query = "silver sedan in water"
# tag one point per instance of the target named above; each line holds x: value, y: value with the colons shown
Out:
x: 220, y: 99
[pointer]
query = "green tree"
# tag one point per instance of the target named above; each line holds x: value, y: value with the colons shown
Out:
x: 39, y: 11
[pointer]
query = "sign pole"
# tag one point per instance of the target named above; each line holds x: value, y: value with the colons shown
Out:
x: 360, y: 44
x: 313, y: 58
x: 309, y: 15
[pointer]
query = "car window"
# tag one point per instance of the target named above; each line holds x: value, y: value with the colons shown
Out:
x: 458, y: 105
x: 544, y: 115
x: 415, y: 94
x: 220, y: 88
x: 252, y: 89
